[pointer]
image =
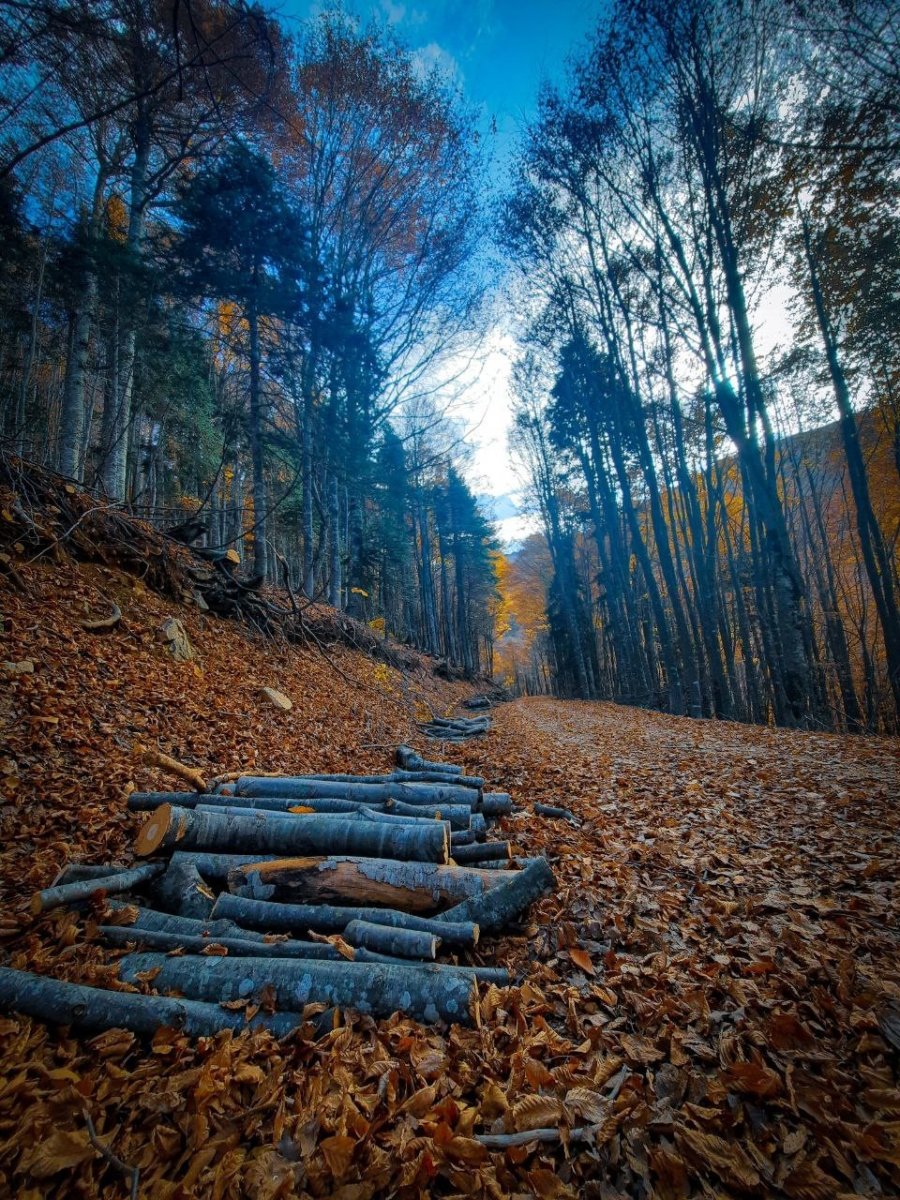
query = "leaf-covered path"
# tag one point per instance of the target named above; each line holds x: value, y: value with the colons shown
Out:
x: 734, y: 890
x: 713, y: 991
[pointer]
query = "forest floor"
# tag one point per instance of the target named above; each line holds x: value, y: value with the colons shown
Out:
x: 714, y: 987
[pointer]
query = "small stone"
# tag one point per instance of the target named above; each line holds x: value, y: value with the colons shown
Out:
x: 276, y: 698
x: 176, y: 640
x: 200, y: 602
x: 24, y: 667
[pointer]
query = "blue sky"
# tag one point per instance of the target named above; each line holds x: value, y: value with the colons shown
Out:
x: 498, y: 52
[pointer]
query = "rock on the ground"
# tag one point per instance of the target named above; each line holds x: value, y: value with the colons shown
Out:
x: 174, y: 636
x: 276, y: 698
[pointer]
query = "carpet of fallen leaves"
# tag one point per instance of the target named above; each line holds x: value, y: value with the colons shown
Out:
x: 714, y: 989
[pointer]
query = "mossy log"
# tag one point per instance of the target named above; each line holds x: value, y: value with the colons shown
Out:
x: 87, y: 889
x: 513, y: 892
x: 326, y: 918
x: 417, y: 887
x: 170, y: 827
x: 385, y: 939
x: 82, y: 1007
x: 426, y: 993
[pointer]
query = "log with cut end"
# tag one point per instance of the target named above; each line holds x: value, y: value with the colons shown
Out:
x: 87, y: 889
x: 82, y: 1007
x: 215, y: 867
x: 505, y: 903
x: 478, y: 825
x: 550, y: 810
x: 169, y: 827
x: 417, y: 887
x: 325, y: 918
x: 385, y: 939
x: 360, y: 814
x: 496, y: 804
x: 311, y: 789
x: 410, y: 760
x: 150, y: 918
x: 183, y: 890
x: 426, y: 993
x: 480, y: 852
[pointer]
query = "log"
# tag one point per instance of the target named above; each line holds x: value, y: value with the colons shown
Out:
x: 312, y: 789
x: 215, y: 867
x: 416, y: 887
x: 411, y: 760
x: 87, y: 889
x: 150, y: 918
x: 385, y: 939
x: 182, y: 890
x: 426, y: 993
x: 491, y: 864
x: 240, y: 947
x: 550, y: 810
x: 459, y: 815
x: 148, y: 801
x: 170, y: 826
x: 482, y: 852
x: 398, y: 776
x: 462, y: 837
x: 103, y: 624
x: 82, y: 1007
x: 504, y: 903
x: 76, y: 872
x: 358, y: 814
x: 325, y: 918
x: 478, y: 825
x: 496, y: 804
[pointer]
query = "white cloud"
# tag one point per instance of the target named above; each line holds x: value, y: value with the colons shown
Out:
x: 394, y: 14
x: 427, y: 58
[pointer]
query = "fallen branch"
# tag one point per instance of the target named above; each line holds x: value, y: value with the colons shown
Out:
x: 133, y: 1173
x: 103, y: 624
x: 549, y: 810
x: 156, y: 758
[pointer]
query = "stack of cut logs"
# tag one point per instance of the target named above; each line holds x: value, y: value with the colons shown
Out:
x: 278, y: 900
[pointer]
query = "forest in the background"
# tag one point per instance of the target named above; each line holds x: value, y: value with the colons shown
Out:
x: 719, y: 507
x: 235, y: 258
x: 244, y: 265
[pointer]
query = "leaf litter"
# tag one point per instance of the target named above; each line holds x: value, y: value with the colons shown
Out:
x: 708, y: 1006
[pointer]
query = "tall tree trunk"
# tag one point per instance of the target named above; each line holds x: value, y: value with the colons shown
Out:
x: 257, y: 456
x: 335, y: 584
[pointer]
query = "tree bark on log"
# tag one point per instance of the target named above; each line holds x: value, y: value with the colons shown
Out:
x: 182, y: 890
x: 504, y: 903
x: 76, y: 872
x: 148, y: 801
x: 496, y: 804
x: 481, y: 852
x: 156, y: 939
x: 385, y: 939
x: 326, y: 918
x: 81, y: 1007
x: 417, y: 887
x: 410, y: 760
x: 236, y: 809
x: 169, y: 827
x: 459, y: 815
x: 151, y: 918
x: 214, y: 868
x: 398, y: 776
x: 312, y: 789
x: 478, y: 825
x: 86, y: 889
x: 426, y: 993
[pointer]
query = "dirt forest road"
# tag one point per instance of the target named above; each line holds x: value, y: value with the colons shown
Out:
x: 727, y: 928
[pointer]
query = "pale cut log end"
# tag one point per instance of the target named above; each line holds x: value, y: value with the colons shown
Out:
x: 153, y: 832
